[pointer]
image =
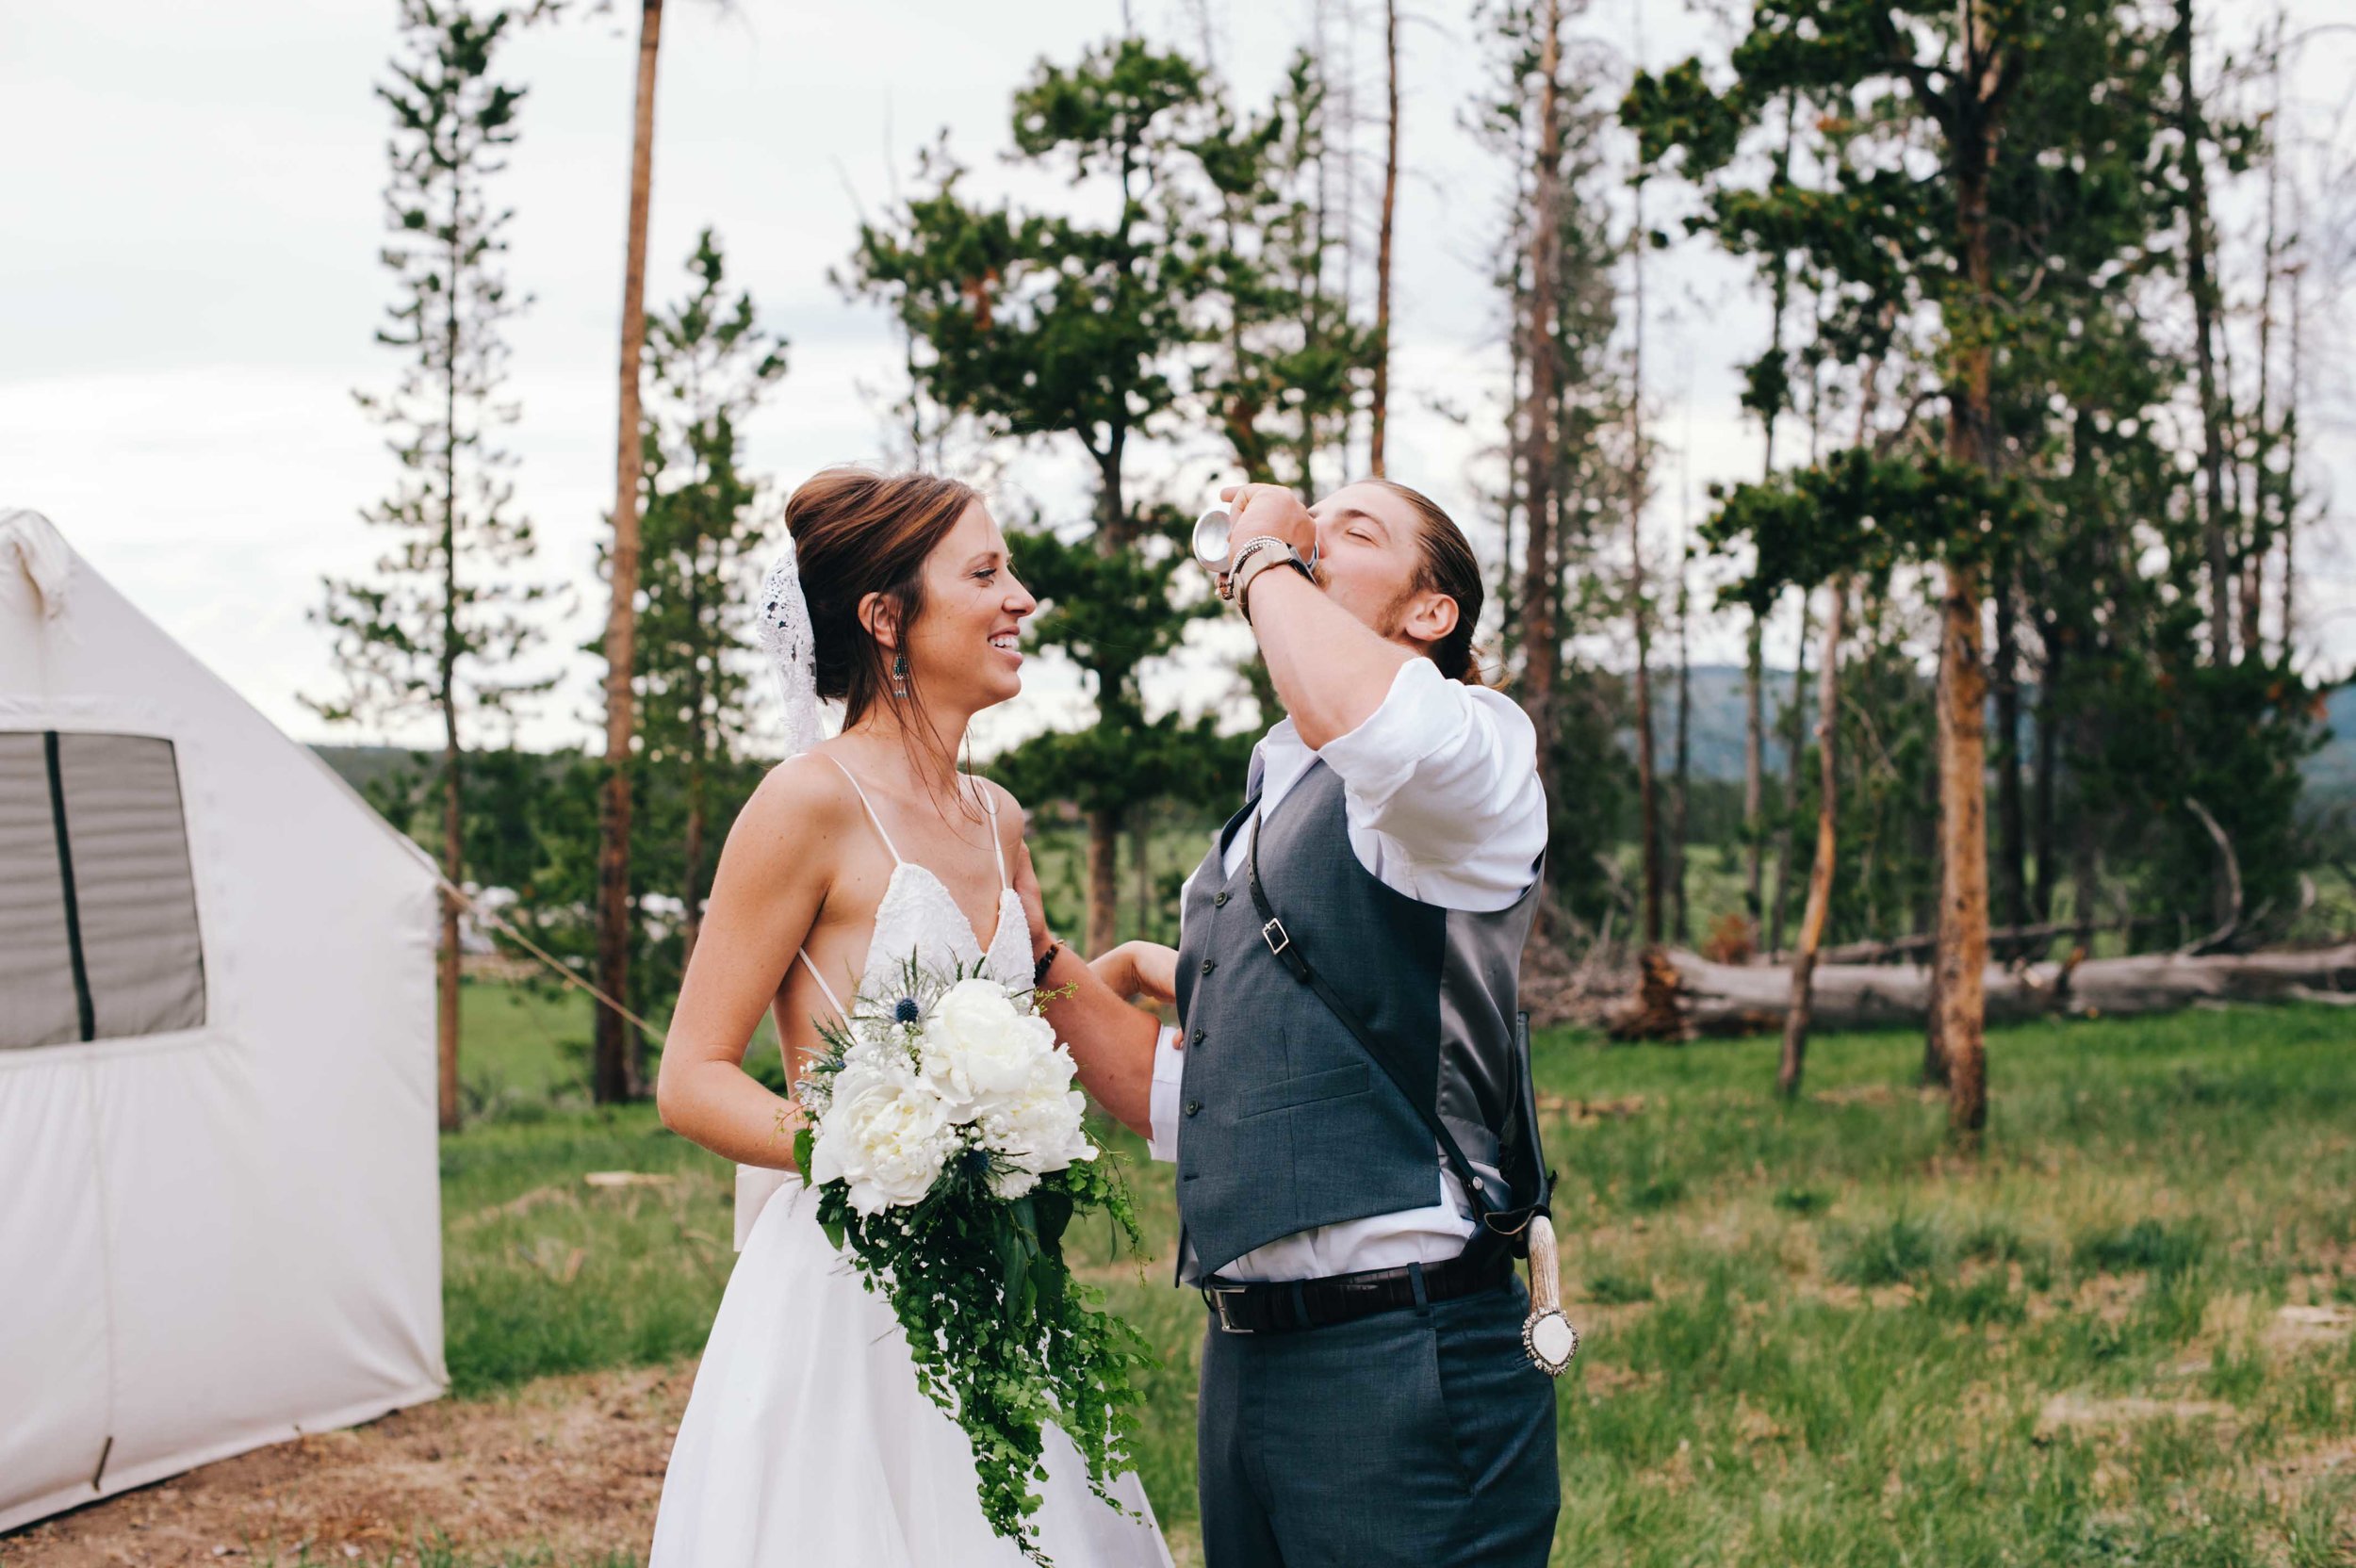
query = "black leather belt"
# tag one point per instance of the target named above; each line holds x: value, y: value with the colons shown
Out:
x: 1283, y: 1308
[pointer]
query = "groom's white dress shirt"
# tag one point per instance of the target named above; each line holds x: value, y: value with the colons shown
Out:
x: 1440, y: 786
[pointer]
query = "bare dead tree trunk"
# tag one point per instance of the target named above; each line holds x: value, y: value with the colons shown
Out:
x: 700, y: 595
x: 1115, y: 531
x: 1681, y: 919
x: 2012, y: 828
x: 1820, y: 869
x: 1754, y: 770
x: 453, y: 789
x: 1383, y: 241
x: 1648, y: 782
x: 1539, y: 643
x: 1754, y: 657
x: 2201, y: 285
x: 1517, y: 489
x: 1796, y: 739
x: 2263, y: 483
x: 2048, y: 732
x: 617, y: 1072
x: 2286, y: 618
x: 446, y: 956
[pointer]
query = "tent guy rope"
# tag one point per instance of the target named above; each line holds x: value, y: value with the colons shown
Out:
x: 554, y: 965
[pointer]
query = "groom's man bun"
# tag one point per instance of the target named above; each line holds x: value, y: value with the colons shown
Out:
x: 857, y: 532
x: 1445, y: 564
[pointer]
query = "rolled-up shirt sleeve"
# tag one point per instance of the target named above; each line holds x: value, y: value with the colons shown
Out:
x: 1162, y: 1105
x: 1442, y: 776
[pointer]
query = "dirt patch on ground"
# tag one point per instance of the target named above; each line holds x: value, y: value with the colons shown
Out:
x: 2113, y: 1416
x: 2299, y: 1328
x: 573, y: 1466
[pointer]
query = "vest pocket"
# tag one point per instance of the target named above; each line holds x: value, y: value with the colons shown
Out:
x: 1342, y: 1082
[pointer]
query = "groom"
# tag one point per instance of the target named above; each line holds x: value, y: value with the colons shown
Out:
x: 1366, y: 1398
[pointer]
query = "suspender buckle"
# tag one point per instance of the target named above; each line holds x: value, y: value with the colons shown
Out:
x: 1280, y: 940
x: 1217, y: 1296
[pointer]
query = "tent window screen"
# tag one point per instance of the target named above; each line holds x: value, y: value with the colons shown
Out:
x: 98, y: 933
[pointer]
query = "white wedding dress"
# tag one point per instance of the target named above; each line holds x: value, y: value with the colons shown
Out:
x: 806, y: 1442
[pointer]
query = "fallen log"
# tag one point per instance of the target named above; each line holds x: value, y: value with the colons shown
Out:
x: 1741, y: 999
x: 1998, y: 936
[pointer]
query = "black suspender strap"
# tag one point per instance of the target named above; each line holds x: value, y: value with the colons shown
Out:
x: 1281, y: 942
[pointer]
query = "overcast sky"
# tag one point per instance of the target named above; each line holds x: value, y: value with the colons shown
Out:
x: 189, y: 278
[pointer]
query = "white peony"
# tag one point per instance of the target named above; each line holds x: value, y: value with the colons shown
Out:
x: 980, y: 1052
x: 884, y: 1134
x: 1041, y: 1131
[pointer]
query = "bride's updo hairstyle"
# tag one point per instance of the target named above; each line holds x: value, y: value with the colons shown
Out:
x: 857, y: 533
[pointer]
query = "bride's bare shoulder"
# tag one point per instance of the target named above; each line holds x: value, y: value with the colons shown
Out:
x: 803, y: 802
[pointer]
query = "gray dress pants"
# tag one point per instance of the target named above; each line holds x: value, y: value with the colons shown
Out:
x: 1421, y: 1437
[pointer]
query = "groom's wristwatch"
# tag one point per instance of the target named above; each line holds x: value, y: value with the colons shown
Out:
x: 1257, y: 556
x: 1231, y: 579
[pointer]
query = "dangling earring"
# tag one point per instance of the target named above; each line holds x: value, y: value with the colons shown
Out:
x: 900, y: 676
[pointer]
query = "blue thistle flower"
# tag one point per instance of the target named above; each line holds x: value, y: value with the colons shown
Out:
x: 906, y: 1011
x: 977, y: 1162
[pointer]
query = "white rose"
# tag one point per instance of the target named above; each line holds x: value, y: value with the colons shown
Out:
x: 883, y: 1136
x: 980, y: 1052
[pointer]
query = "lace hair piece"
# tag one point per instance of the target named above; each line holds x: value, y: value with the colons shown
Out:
x: 786, y: 636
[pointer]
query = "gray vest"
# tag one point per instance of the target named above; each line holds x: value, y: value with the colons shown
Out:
x: 1286, y: 1123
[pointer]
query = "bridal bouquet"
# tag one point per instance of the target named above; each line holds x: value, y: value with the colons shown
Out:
x: 945, y: 1146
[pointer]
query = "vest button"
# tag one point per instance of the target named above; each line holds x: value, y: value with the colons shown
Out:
x: 1197, y: 1036
x: 1218, y: 901
x: 1193, y: 1105
x: 1209, y: 964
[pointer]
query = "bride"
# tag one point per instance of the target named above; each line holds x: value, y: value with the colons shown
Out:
x: 807, y: 1439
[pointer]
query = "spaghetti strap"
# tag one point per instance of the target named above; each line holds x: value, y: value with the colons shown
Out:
x: 832, y: 1000
x: 870, y: 817
x: 990, y: 804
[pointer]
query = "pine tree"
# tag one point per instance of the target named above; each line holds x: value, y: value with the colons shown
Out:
x: 614, y: 1060
x: 439, y: 625
x: 709, y: 365
x: 1049, y: 326
x: 2034, y: 112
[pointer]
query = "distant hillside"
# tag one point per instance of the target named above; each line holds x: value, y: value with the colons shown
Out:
x: 361, y: 766
x: 1717, y: 726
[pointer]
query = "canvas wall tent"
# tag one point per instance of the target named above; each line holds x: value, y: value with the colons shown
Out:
x: 218, y: 1189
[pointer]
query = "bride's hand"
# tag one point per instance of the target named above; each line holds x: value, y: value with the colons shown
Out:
x: 1156, y: 972
x: 1140, y: 969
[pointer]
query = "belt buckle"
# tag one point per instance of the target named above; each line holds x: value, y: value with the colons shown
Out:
x: 1217, y: 1296
x: 1277, y: 943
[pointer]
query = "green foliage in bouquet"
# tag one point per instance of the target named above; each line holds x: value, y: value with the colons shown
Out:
x: 1004, y: 1338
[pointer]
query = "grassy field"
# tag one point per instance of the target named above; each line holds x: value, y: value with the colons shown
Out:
x: 2123, y: 1336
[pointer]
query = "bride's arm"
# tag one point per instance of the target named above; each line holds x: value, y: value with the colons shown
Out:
x: 1112, y: 1043
x: 771, y: 878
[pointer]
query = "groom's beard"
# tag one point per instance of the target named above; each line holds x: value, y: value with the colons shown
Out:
x: 1393, y: 617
